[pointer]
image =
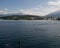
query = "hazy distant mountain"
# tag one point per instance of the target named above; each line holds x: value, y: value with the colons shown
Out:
x: 54, y: 14
x: 18, y: 14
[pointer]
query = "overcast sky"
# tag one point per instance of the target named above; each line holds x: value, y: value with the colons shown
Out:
x: 31, y: 7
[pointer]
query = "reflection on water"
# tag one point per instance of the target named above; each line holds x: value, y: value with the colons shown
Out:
x: 32, y: 33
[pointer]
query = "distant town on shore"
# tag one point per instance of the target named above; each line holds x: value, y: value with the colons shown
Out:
x: 28, y: 17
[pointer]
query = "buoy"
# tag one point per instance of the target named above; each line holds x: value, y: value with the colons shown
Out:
x: 20, y: 44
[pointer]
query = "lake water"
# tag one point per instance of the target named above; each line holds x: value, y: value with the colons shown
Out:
x: 32, y: 33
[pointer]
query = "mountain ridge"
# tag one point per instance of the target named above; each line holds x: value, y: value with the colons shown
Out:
x: 54, y: 14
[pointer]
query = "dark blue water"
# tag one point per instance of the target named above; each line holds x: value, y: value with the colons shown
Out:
x: 32, y: 33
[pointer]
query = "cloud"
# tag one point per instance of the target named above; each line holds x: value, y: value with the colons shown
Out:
x: 31, y: 11
x: 40, y: 10
x: 54, y: 3
x: 4, y: 11
x: 51, y: 6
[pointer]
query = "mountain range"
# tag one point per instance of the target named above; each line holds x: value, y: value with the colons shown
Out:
x: 54, y: 14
